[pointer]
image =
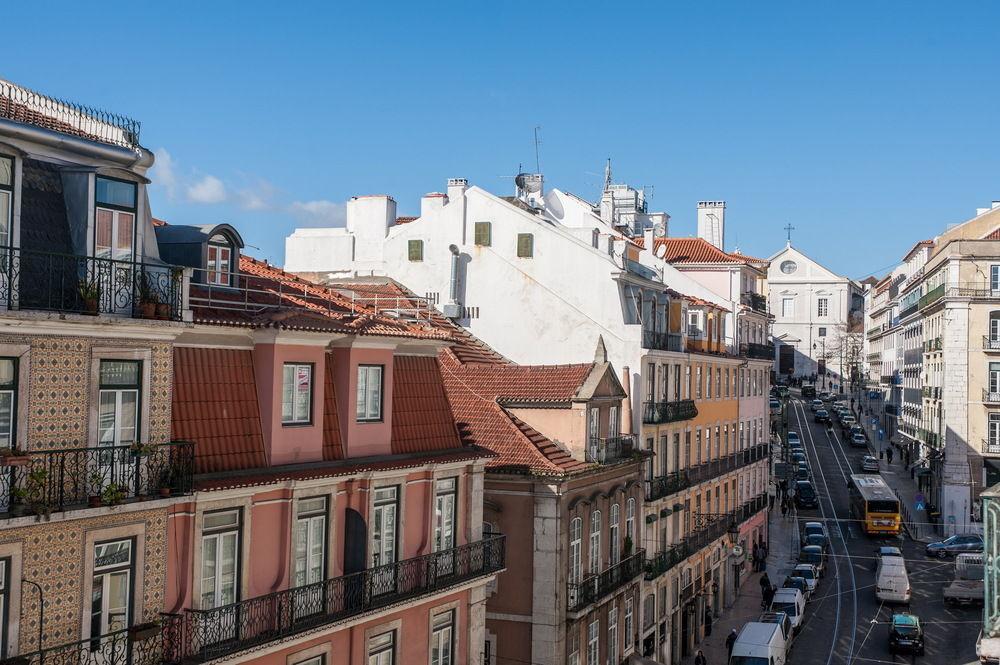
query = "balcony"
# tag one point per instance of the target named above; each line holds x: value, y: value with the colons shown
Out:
x: 203, y: 635
x: 723, y: 465
x: 662, y: 486
x: 589, y: 591
x: 74, y: 284
x: 41, y: 482
x: 931, y: 392
x: 124, y: 647
x: 931, y: 296
x: 754, y: 301
x: 757, y: 351
x: 714, y: 526
x: 611, y: 449
x: 990, y: 344
x: 661, y: 341
x: 990, y: 397
x: 661, y: 562
x: 912, y: 309
x: 991, y: 448
x: 657, y: 413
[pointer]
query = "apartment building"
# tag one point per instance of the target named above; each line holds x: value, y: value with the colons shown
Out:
x: 89, y: 313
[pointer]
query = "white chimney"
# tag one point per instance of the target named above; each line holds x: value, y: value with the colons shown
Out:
x: 432, y: 202
x: 370, y: 216
x: 994, y: 205
x: 456, y: 188
x: 712, y: 222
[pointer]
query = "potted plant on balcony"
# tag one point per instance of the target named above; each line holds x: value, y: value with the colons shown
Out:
x: 113, y: 494
x: 166, y: 481
x: 95, y: 480
x: 11, y: 457
x: 90, y: 294
x: 138, y: 449
x: 34, y: 494
x: 148, y: 299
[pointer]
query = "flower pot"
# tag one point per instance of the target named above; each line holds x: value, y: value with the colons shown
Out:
x: 147, y: 310
x: 164, y: 491
x: 143, y: 631
x: 163, y: 311
x: 16, y: 460
x: 94, y: 501
x: 90, y: 306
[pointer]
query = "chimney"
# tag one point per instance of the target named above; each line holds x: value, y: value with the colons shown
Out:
x: 712, y: 222
x: 456, y: 188
x: 432, y: 202
x: 994, y: 205
x: 370, y: 216
x: 648, y: 238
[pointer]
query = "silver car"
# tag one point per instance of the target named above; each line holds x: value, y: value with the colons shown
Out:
x: 869, y: 464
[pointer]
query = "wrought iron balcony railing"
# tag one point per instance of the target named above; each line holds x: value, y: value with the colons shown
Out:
x: 662, y: 562
x: 48, y: 281
x: 717, y: 467
x: 661, y: 341
x: 990, y: 344
x: 595, y: 587
x: 610, y: 449
x: 990, y: 397
x: 932, y: 296
x: 131, y: 646
x: 755, y: 301
x: 991, y: 447
x: 710, y: 527
x: 203, y: 635
x: 657, y: 413
x: 757, y: 351
x: 662, y: 486
x: 41, y: 482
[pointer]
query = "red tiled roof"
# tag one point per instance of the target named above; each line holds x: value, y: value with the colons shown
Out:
x: 160, y: 222
x: 215, y: 406
x: 422, y: 420
x: 693, y: 250
x: 406, y: 220
x: 919, y: 244
x: 333, y: 448
x: 992, y: 235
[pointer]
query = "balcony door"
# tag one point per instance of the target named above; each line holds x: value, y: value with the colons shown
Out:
x: 310, y: 556
x: 444, y: 525
x: 118, y: 425
x: 112, y: 272
x: 220, y: 551
x: 994, y: 379
x: 385, y: 536
x: 111, y: 595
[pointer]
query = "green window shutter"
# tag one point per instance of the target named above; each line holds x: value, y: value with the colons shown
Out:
x: 525, y: 245
x: 416, y: 250
x: 483, y: 234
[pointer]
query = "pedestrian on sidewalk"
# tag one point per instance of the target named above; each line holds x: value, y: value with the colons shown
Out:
x: 888, y: 455
x: 730, y: 641
x: 784, y: 507
x: 755, y: 557
x: 763, y: 554
x: 708, y: 621
x: 699, y: 659
x: 765, y: 583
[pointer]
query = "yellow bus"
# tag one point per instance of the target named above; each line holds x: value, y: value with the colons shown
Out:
x: 875, y: 505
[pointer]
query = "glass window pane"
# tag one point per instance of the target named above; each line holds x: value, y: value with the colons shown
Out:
x: 4, y: 218
x: 123, y: 235
x: 119, y: 373
x: 102, y: 241
x: 362, y: 388
x: 106, y: 418
x: 6, y: 171
x: 114, y: 192
x: 6, y: 417
x: 287, y: 392
x: 6, y: 371
x: 229, y: 518
x: 375, y: 392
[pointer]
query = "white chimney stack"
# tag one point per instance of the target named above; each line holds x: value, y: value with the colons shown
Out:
x: 432, y: 202
x: 712, y: 222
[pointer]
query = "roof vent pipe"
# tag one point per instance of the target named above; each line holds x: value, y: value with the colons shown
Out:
x: 452, y: 309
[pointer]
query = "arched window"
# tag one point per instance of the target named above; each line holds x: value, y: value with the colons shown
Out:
x: 595, y: 542
x: 575, y: 545
x: 615, y: 546
x: 220, y: 261
x: 630, y: 525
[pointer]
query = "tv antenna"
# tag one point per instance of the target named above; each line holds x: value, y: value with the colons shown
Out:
x: 538, y: 142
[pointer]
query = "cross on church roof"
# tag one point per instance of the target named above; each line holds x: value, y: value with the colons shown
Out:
x: 788, y: 229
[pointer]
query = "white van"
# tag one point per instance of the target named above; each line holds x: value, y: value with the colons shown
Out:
x: 792, y: 603
x: 759, y: 644
x: 892, y: 585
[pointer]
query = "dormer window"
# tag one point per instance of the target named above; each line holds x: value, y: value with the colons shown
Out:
x: 114, y: 219
x: 6, y: 198
x: 219, y: 266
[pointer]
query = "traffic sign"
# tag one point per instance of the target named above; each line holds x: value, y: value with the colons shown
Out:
x: 919, y: 505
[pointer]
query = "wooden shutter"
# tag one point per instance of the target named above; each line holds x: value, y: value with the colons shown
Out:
x: 525, y: 245
x: 483, y: 234
x: 415, y: 250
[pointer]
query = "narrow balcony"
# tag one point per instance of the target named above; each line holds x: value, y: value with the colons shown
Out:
x: 710, y: 527
x: 658, y: 413
x: 931, y: 296
x: 990, y: 344
x: 74, y: 284
x: 204, y: 635
x: 582, y: 594
x: 754, y: 301
x: 723, y: 465
x: 991, y: 447
x: 139, y: 645
x: 662, y: 486
x: 662, y: 562
x: 610, y: 449
x: 990, y: 397
x: 42, y: 482
x: 661, y: 341
x: 757, y: 351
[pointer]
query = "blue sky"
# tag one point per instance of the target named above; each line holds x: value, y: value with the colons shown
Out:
x: 866, y: 125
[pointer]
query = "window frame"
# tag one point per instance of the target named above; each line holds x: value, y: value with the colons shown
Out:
x: 306, y: 516
x: 529, y: 253
x: 225, y: 244
x: 115, y: 208
x: 130, y: 567
x: 238, y: 554
x: 488, y: 226
x: 381, y: 397
x: 823, y: 307
x: 9, y: 222
x: 450, y: 626
x: 295, y: 365
x: 411, y: 244
x: 118, y: 389
x: 377, y: 650
x: 14, y: 390
x: 6, y: 570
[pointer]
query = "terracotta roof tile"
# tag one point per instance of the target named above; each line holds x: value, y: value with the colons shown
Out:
x: 992, y: 235
x: 422, y: 419
x: 694, y: 250
x: 215, y: 406
x: 333, y: 448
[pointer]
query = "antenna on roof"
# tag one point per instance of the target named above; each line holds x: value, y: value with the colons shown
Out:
x: 538, y: 142
x: 607, y: 175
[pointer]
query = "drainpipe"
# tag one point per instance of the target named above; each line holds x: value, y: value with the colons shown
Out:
x: 452, y: 309
x: 627, y: 402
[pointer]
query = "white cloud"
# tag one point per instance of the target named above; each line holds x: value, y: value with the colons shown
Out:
x: 257, y: 196
x: 164, y: 172
x: 320, y: 212
x: 207, y: 190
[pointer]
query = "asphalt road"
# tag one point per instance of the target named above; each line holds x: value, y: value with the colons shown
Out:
x: 845, y: 623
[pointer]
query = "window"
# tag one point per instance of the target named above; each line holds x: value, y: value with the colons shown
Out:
x: 788, y: 267
x: 593, y: 641
x: 574, y: 644
x: 613, y: 534
x: 628, y: 621
x: 382, y: 649
x: 444, y: 523
x: 315, y: 660
x: 220, y: 260
x: 708, y: 381
x: 727, y: 382
x: 718, y: 382
x: 220, y: 558
x: 442, y: 638
x: 697, y: 381
x: 415, y: 250
x: 114, y: 219
x: 385, y: 526
x: 613, y: 633
x: 111, y: 607
x: 296, y: 394
x: 6, y: 198
x: 995, y: 278
x: 310, y: 542
x: 118, y: 419
x: 822, y: 306
x: 484, y: 234
x: 677, y: 382
x: 525, y: 245
x: 369, y: 393
x: 5, y: 583
x: 995, y: 326
x: 8, y: 406
x: 788, y: 306
x: 575, y: 545
x: 994, y: 378
x: 595, y: 542
x: 822, y: 332
x: 630, y: 523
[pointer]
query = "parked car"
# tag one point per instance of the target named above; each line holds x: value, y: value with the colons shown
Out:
x: 822, y: 416
x: 775, y: 407
x: 847, y: 422
x: 868, y: 464
x: 886, y: 550
x: 793, y: 437
x: 810, y: 528
x: 796, y: 582
x: 793, y: 603
x: 816, y: 405
x: 759, y: 642
x: 807, y: 571
x: 892, y: 584
x: 955, y: 545
x: 857, y: 429
x: 781, y: 619
x: 906, y: 634
x: 816, y: 556
x: 802, y: 473
x: 858, y: 441
x: 805, y: 495
x: 818, y: 539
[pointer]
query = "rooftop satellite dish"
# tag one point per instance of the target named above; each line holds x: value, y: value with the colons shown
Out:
x: 529, y: 183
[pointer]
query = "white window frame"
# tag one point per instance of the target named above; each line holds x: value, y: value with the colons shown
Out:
x: 614, y: 534
x: 594, y: 555
x: 226, y: 530
x: 220, y: 267
x: 7, y: 194
x: 311, y: 529
x: 294, y: 398
x: 120, y: 393
x: 995, y: 277
x: 628, y: 624
x: 823, y: 306
x: 613, y: 633
x: 787, y: 307
x: 593, y: 641
x: 381, y: 648
x: 367, y: 410
x: 101, y: 575
x: 442, y: 647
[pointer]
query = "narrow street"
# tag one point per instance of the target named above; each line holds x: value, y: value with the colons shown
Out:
x: 845, y: 623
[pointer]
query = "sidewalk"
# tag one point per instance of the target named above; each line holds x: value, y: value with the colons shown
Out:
x: 897, y: 476
x: 784, y: 547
